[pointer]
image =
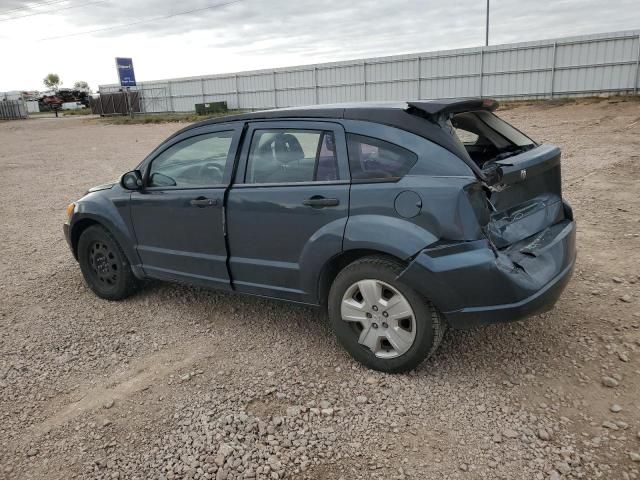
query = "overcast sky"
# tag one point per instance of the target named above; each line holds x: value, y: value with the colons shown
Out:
x: 254, y: 34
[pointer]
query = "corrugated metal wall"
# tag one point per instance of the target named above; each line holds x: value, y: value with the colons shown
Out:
x: 12, y: 110
x: 32, y: 107
x: 13, y: 95
x: 586, y: 65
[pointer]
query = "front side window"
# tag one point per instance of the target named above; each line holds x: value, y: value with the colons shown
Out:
x: 290, y: 156
x: 198, y: 161
x: 374, y: 159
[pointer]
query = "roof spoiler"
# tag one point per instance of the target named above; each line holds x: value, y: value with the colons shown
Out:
x: 440, y: 107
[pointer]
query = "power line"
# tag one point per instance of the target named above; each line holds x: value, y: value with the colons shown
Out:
x: 138, y: 22
x: 32, y: 6
x: 52, y: 11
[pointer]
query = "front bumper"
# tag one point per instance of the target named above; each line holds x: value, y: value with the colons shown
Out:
x: 67, y: 235
x: 473, y: 284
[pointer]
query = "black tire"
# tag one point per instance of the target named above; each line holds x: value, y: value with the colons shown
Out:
x: 104, y: 265
x: 430, y: 327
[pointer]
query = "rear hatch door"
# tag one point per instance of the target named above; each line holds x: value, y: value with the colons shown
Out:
x: 523, y: 178
x: 528, y: 197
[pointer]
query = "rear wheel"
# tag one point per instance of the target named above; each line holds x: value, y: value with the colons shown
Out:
x: 380, y: 321
x: 104, y: 266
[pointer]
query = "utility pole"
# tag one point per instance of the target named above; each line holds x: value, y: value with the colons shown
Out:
x: 486, y: 37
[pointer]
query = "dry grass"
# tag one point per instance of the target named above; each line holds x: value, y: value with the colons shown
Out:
x: 79, y: 111
x: 164, y: 118
x: 559, y: 102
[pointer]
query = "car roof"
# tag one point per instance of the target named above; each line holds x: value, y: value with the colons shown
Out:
x: 347, y: 110
x: 406, y: 115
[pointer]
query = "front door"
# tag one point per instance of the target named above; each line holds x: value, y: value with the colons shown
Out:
x: 288, y: 207
x: 178, y: 216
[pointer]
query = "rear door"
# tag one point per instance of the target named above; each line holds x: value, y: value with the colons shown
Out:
x: 288, y: 207
x: 178, y: 216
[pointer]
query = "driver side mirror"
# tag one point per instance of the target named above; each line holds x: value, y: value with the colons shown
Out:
x: 132, y: 180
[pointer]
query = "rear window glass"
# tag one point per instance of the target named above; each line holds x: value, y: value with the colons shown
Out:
x: 487, y: 138
x: 470, y: 126
x: 466, y: 136
x: 374, y: 159
x: 503, y: 128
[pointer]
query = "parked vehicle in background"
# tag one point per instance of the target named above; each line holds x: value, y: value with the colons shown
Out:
x: 64, y: 99
x: 400, y: 218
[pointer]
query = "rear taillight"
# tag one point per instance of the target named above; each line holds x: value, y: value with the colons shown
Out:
x: 479, y: 203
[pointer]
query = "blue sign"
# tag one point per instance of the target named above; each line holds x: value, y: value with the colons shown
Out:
x: 125, y: 72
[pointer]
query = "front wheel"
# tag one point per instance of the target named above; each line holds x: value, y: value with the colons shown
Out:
x: 104, y: 265
x: 380, y: 321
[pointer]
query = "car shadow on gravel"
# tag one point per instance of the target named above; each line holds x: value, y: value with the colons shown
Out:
x: 488, y: 347
x: 494, y: 348
x: 506, y: 347
x: 215, y: 308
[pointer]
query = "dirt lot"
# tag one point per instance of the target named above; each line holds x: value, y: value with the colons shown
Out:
x: 178, y: 382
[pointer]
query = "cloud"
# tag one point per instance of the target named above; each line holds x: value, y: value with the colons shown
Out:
x: 255, y: 34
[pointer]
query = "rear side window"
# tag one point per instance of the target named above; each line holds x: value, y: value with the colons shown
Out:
x: 374, y: 159
x: 290, y: 156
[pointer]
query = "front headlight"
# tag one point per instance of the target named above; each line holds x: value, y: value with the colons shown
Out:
x: 70, y: 209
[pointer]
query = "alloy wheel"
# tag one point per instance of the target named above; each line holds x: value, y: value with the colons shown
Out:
x: 380, y: 316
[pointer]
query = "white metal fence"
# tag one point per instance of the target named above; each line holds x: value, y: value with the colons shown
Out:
x: 32, y: 106
x: 12, y: 110
x: 586, y: 65
x: 13, y: 95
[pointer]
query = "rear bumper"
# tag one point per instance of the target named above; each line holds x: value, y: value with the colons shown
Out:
x: 471, y: 285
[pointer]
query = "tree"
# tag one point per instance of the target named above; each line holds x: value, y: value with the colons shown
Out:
x: 81, y: 85
x: 52, y: 81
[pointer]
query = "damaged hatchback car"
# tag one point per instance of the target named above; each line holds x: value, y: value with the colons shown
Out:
x: 402, y: 219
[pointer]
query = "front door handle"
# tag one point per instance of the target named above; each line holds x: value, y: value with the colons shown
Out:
x: 203, y: 202
x: 318, y: 201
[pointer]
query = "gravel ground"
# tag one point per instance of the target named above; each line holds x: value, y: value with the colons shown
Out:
x: 179, y: 382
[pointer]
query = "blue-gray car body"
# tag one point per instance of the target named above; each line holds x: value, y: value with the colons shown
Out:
x: 484, y: 241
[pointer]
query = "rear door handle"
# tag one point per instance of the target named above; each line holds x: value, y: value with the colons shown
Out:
x: 203, y: 202
x: 318, y: 201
